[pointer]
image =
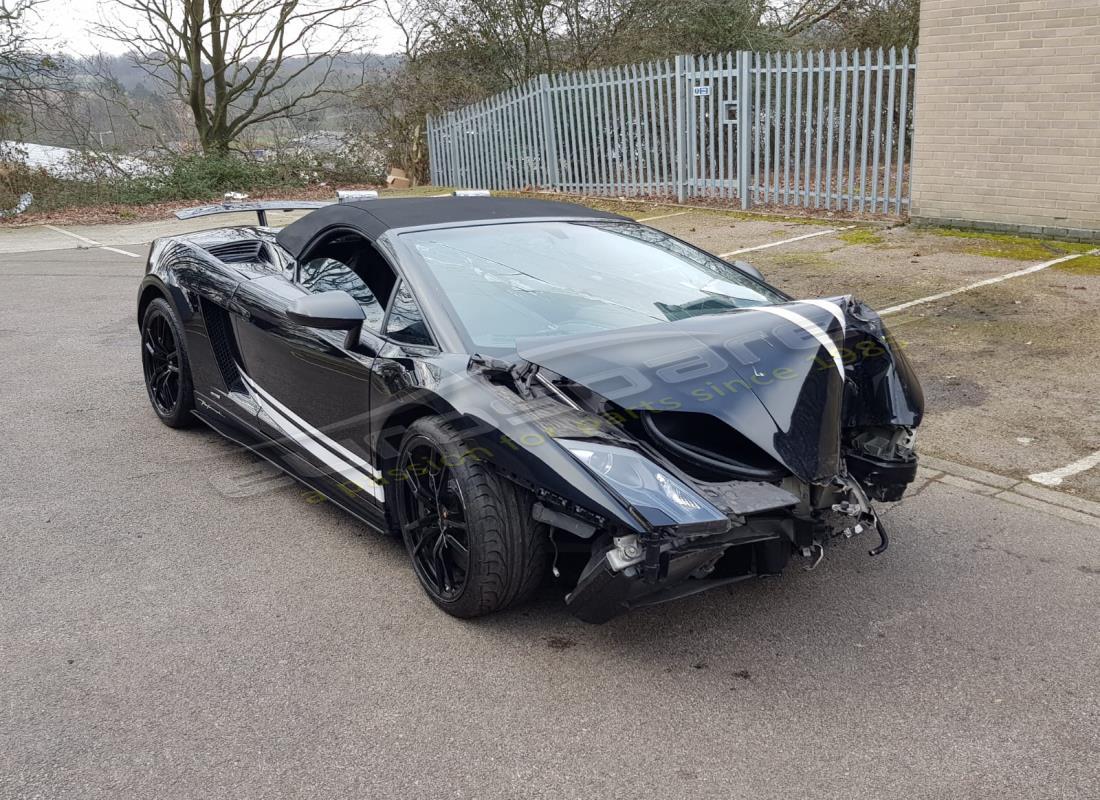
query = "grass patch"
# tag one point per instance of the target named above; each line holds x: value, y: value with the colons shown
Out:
x: 763, y: 216
x: 627, y: 208
x: 1005, y: 245
x: 866, y: 236
x: 1085, y: 265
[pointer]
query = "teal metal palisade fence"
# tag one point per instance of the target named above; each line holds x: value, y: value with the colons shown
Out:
x: 814, y: 129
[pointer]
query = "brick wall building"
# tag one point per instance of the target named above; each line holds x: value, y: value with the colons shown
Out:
x: 1007, y: 116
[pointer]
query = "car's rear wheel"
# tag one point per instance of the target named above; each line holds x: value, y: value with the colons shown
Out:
x: 470, y: 535
x: 165, y: 364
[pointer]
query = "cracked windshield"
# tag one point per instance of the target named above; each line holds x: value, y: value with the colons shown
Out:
x: 561, y: 278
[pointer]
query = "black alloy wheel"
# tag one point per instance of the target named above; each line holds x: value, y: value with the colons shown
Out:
x: 433, y: 521
x: 469, y: 532
x: 164, y: 362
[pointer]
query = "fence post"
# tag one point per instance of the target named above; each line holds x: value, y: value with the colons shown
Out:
x: 452, y: 148
x: 435, y: 157
x: 680, y: 123
x: 549, y: 140
x: 431, y: 156
x: 744, y: 125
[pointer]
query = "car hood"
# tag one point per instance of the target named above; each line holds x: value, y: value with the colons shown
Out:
x: 788, y: 377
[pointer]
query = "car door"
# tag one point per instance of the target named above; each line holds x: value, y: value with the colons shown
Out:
x: 311, y: 390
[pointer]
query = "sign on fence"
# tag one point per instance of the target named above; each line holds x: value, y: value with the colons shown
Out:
x: 823, y: 130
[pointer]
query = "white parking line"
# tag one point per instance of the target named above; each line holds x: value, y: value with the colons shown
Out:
x: 987, y: 282
x: 120, y: 252
x: 91, y: 242
x: 84, y: 239
x: 1056, y: 476
x: 783, y: 241
x: 663, y: 216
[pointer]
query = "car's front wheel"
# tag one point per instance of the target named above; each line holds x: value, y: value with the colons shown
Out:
x: 470, y: 535
x: 164, y: 362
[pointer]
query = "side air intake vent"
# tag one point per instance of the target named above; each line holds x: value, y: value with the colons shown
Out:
x: 245, y: 251
x: 220, y: 328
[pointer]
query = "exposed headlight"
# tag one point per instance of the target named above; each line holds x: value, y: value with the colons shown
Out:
x: 663, y: 499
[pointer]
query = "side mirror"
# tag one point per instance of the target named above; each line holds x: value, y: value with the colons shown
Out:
x: 749, y: 269
x: 330, y: 311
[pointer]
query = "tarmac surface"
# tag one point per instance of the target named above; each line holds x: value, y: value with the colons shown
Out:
x: 176, y: 620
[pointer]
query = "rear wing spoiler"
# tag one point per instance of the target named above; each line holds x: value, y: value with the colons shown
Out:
x: 261, y: 207
x: 236, y: 203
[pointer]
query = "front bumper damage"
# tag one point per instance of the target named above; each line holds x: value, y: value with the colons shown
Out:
x: 784, y: 423
x: 767, y: 524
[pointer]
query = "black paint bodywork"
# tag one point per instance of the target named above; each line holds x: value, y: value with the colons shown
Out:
x: 750, y: 383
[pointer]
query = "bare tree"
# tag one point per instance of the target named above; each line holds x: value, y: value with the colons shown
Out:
x: 240, y: 63
x: 793, y: 17
x: 873, y: 23
x: 502, y: 43
x: 27, y: 73
x: 395, y: 98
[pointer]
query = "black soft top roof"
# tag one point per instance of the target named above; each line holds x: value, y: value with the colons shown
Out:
x: 372, y: 218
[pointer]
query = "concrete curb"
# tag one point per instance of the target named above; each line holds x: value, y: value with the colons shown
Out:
x: 1011, y: 490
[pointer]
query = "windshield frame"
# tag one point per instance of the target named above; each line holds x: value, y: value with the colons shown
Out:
x: 434, y: 301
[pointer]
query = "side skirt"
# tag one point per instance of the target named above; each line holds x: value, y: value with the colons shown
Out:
x: 247, y: 436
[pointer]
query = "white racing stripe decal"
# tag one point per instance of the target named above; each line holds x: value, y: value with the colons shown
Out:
x: 320, y: 446
x: 832, y: 308
x: 811, y: 328
x: 301, y: 423
x: 337, y: 465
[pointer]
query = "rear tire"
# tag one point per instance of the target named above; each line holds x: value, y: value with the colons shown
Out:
x: 474, y: 546
x: 166, y: 366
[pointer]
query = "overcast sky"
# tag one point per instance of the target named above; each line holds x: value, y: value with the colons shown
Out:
x: 68, y: 22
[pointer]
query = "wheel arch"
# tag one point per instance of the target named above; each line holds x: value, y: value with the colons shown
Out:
x: 387, y: 443
x: 148, y: 294
x: 534, y: 466
x: 153, y: 287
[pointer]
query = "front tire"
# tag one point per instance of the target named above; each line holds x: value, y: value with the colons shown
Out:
x: 473, y: 544
x: 166, y: 366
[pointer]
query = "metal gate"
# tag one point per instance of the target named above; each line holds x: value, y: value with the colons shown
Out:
x: 806, y: 129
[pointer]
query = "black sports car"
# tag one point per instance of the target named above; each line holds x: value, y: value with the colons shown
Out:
x: 521, y: 388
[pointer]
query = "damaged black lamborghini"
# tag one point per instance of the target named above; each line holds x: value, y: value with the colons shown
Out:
x: 527, y: 391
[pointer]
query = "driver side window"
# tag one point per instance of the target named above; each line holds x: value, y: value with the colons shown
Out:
x: 349, y: 263
x: 406, y: 323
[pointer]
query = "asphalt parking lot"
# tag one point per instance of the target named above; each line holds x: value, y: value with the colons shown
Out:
x: 178, y: 621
